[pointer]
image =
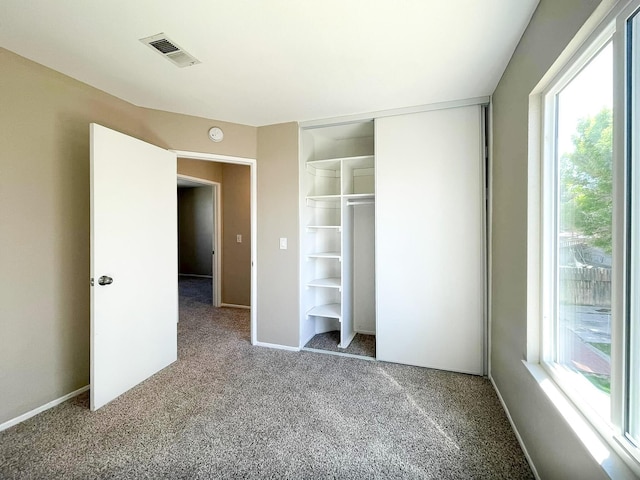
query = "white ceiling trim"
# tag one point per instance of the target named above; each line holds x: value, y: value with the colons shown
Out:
x: 396, y: 111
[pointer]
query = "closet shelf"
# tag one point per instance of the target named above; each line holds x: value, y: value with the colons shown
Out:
x: 337, y: 255
x: 311, y: 228
x: 358, y: 160
x: 337, y: 166
x: 334, y: 282
x: 332, y: 310
x: 327, y: 164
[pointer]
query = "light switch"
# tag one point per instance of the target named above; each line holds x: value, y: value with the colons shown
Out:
x: 239, y: 238
x: 283, y: 244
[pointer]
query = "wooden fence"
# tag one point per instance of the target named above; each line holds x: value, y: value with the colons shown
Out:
x: 585, y: 286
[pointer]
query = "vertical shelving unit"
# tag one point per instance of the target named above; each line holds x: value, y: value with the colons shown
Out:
x: 338, y: 165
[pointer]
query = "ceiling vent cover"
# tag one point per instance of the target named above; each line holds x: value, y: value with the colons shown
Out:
x: 169, y: 49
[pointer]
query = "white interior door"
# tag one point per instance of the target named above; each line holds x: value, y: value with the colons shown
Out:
x: 429, y: 240
x: 134, y: 243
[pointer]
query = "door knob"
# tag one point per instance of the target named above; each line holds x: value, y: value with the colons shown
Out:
x: 104, y: 280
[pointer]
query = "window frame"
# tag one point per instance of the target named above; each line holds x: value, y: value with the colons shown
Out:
x: 610, y: 24
x: 573, y: 385
x: 630, y: 116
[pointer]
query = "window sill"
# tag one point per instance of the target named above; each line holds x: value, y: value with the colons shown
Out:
x: 606, y: 448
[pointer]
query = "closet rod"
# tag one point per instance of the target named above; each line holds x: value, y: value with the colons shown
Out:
x: 351, y: 203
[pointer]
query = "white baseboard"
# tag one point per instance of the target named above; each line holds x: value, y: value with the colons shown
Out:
x: 233, y: 305
x: 366, y: 332
x: 276, y: 346
x: 47, y: 406
x: 515, y: 430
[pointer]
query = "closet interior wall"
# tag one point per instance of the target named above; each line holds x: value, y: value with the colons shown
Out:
x: 363, y: 267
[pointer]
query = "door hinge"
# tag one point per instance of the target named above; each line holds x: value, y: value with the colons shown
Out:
x: 92, y: 282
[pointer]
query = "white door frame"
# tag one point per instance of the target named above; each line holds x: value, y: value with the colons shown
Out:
x: 216, y: 241
x: 252, y: 163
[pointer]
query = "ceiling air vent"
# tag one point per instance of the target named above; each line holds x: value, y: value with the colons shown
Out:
x: 169, y: 49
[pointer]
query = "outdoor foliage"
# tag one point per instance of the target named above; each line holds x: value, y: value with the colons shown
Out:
x: 586, y: 181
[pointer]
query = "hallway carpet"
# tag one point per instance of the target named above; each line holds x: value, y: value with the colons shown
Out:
x: 227, y: 409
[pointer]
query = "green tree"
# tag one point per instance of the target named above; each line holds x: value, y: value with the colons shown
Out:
x: 586, y: 181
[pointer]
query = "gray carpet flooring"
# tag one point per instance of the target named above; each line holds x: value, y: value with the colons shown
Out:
x: 227, y: 409
x: 363, y: 345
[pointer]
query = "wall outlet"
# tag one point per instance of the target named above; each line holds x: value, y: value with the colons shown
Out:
x: 283, y: 244
x: 239, y: 238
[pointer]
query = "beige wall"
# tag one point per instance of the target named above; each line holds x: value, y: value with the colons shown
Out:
x: 211, y: 171
x: 278, y: 272
x: 184, y: 132
x: 554, y: 448
x: 44, y: 219
x: 236, y: 215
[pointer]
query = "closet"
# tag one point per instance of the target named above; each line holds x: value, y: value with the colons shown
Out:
x: 337, y: 248
x: 393, y: 238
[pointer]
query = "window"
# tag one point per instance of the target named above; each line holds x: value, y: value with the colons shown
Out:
x: 590, y: 229
x: 579, y: 227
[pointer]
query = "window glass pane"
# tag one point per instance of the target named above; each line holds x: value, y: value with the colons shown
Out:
x: 583, y: 229
x: 633, y: 368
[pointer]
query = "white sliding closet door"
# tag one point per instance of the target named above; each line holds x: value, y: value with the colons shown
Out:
x: 429, y: 239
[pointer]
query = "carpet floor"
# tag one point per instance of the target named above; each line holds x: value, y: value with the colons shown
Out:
x: 363, y: 345
x: 227, y: 409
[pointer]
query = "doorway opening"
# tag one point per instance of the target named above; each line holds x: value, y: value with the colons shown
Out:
x: 238, y: 239
x: 199, y: 228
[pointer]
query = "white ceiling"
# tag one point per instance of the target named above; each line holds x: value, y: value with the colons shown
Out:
x: 273, y: 61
